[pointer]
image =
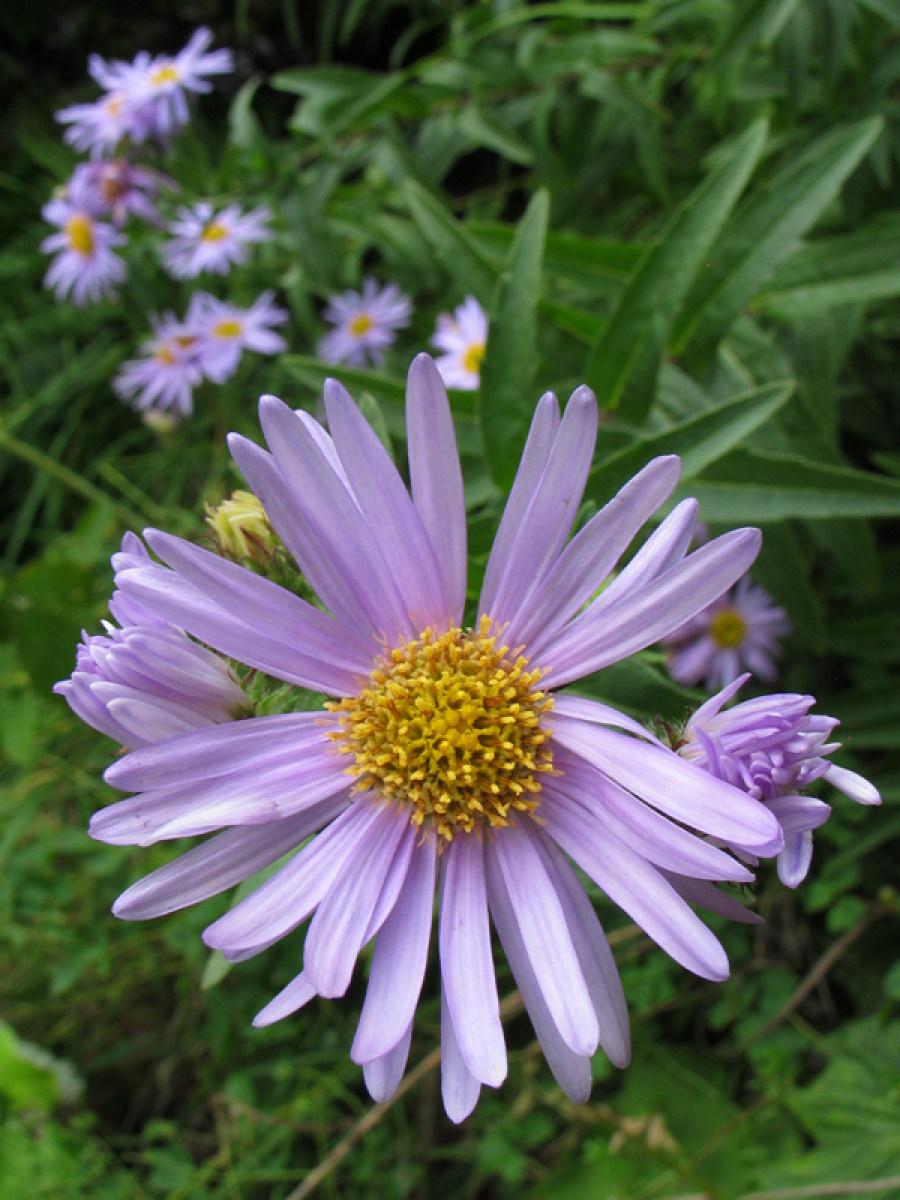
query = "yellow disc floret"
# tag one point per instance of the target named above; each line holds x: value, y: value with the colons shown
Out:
x: 360, y: 324
x: 215, y: 231
x: 80, y: 232
x: 450, y: 726
x: 473, y: 356
x: 728, y: 628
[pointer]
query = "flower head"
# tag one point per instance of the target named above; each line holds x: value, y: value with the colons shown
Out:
x: 86, y: 265
x: 147, y: 681
x: 102, y: 125
x: 773, y: 748
x: 207, y: 240
x: 365, y: 323
x: 118, y: 189
x: 463, y: 339
x: 446, y: 751
x: 225, y: 331
x: 740, y: 631
x: 165, y: 376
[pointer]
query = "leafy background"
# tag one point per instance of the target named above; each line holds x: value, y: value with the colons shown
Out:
x: 688, y: 204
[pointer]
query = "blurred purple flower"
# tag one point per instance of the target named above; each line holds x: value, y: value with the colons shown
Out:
x: 774, y: 749
x: 366, y: 323
x: 165, y: 376
x: 119, y: 189
x: 470, y: 766
x: 85, y: 266
x: 740, y: 631
x: 463, y: 338
x: 224, y: 331
x: 206, y: 240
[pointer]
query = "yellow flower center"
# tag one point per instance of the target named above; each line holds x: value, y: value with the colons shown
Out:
x: 114, y: 105
x: 450, y: 726
x: 163, y: 75
x: 184, y: 341
x: 728, y: 628
x: 80, y: 232
x: 473, y: 357
x: 227, y: 329
x: 165, y: 355
x: 214, y: 232
x: 361, y: 324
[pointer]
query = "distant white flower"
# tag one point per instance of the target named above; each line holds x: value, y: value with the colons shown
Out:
x: 225, y: 331
x: 366, y: 323
x: 463, y: 338
x: 206, y: 240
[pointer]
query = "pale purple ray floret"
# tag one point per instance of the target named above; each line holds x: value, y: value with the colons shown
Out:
x: 118, y: 189
x: 164, y: 377
x: 741, y: 631
x: 145, y: 681
x: 774, y: 748
x: 583, y: 784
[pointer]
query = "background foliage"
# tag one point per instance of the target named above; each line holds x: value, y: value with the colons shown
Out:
x: 687, y: 204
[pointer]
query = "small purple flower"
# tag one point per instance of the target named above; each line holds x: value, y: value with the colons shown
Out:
x: 463, y: 338
x: 147, y: 682
x: 206, y: 240
x: 85, y: 264
x: 773, y: 748
x: 102, y: 125
x: 225, y: 331
x: 740, y: 631
x: 366, y: 323
x: 165, y: 377
x: 119, y: 189
x: 448, y: 758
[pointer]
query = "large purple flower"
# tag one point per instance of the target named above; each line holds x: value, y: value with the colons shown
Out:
x: 448, y: 757
x: 774, y: 748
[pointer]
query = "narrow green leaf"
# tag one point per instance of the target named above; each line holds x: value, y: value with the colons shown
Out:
x: 624, y: 362
x: 570, y: 254
x: 749, y: 485
x: 459, y: 254
x: 700, y: 441
x: 511, y: 360
x: 765, y: 231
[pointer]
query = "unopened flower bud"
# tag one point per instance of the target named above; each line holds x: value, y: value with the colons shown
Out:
x: 241, y: 528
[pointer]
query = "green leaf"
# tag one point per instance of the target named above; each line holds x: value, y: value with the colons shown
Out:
x: 31, y: 1080
x: 764, y: 231
x: 623, y: 364
x: 749, y: 485
x: 700, y: 441
x: 456, y: 250
x: 570, y: 254
x: 511, y: 360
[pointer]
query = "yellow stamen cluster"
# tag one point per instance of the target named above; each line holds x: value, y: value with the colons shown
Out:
x: 214, y: 232
x: 450, y: 726
x: 163, y: 75
x: 227, y: 329
x: 165, y: 354
x: 728, y: 628
x: 473, y: 357
x: 360, y: 324
x: 80, y: 232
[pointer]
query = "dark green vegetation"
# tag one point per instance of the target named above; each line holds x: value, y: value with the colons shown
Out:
x: 687, y: 203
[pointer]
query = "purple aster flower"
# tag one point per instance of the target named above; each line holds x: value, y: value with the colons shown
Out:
x: 85, y: 264
x: 206, y: 240
x: 773, y: 748
x: 156, y: 85
x: 167, y: 373
x: 446, y: 754
x: 366, y: 324
x: 463, y: 339
x: 740, y: 631
x: 119, y: 189
x: 100, y: 126
x: 225, y: 331
x: 147, y: 681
